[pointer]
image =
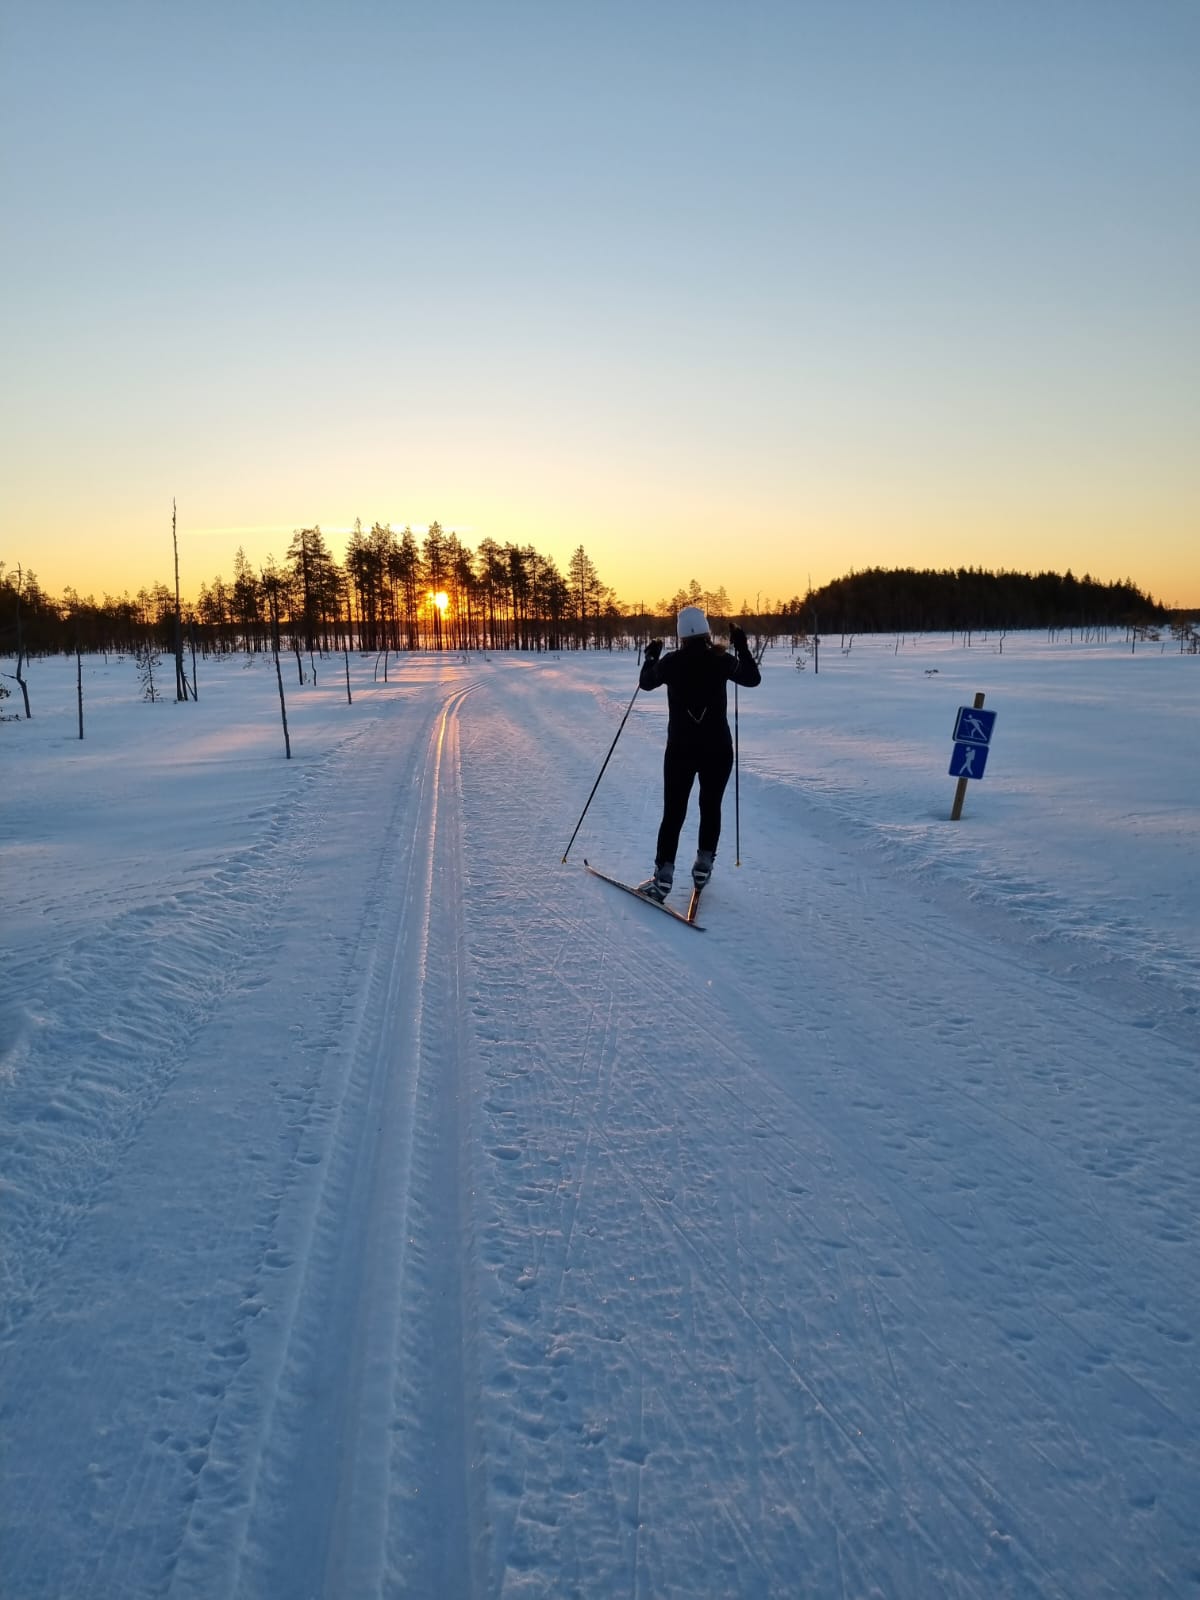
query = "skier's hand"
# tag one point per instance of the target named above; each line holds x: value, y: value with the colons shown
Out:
x: 737, y: 638
x: 654, y: 650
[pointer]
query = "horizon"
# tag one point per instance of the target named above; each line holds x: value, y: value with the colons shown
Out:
x: 740, y: 602
x: 757, y: 298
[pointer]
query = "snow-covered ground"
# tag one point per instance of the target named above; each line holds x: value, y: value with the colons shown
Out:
x: 391, y: 1209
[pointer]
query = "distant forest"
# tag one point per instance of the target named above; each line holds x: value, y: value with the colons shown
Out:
x: 393, y: 591
x: 969, y: 599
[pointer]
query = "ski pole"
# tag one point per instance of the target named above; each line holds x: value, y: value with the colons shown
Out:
x: 600, y: 774
x: 737, y: 806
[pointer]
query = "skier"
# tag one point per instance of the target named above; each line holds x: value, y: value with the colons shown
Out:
x: 699, y: 743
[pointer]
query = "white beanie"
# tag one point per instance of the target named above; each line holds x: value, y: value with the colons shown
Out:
x: 692, y: 623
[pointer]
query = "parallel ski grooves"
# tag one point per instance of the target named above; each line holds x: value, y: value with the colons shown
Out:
x: 440, y: 1409
x: 351, y: 1488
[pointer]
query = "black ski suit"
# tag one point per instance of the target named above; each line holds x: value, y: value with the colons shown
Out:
x: 699, y: 743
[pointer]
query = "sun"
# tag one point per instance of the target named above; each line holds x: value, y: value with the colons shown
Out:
x: 441, y: 600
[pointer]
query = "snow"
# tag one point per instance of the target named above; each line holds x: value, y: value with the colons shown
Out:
x: 392, y: 1209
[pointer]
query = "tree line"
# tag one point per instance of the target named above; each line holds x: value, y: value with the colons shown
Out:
x: 395, y: 591
x: 391, y: 591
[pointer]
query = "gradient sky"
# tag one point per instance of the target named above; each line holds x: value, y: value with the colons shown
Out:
x: 749, y: 292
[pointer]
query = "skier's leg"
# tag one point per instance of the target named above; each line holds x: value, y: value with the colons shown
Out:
x: 679, y: 773
x: 714, y: 775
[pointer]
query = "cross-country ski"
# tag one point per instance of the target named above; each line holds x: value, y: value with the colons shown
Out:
x: 688, y: 918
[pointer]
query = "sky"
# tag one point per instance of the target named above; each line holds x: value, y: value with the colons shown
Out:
x: 752, y: 293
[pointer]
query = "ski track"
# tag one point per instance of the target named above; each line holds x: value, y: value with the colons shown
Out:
x: 376, y: 1351
x: 555, y: 1252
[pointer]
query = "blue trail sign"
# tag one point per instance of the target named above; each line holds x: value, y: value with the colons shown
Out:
x: 972, y: 740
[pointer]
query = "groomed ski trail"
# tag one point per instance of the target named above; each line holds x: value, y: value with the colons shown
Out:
x: 382, y: 1333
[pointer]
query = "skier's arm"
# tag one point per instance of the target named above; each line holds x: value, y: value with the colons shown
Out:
x: 745, y: 668
x: 651, y: 676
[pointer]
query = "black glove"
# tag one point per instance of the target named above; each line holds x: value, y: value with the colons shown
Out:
x: 654, y: 650
x: 737, y: 638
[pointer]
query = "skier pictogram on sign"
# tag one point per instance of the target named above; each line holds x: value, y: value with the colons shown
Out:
x: 974, y: 726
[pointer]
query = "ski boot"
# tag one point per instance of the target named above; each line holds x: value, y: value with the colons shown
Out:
x: 702, y: 867
x: 659, y: 886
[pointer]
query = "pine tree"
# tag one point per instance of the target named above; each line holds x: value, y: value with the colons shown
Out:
x: 147, y: 658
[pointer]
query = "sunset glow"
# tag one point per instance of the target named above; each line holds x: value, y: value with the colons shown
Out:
x: 752, y: 299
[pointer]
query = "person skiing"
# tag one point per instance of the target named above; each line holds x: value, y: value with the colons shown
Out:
x: 699, y: 743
